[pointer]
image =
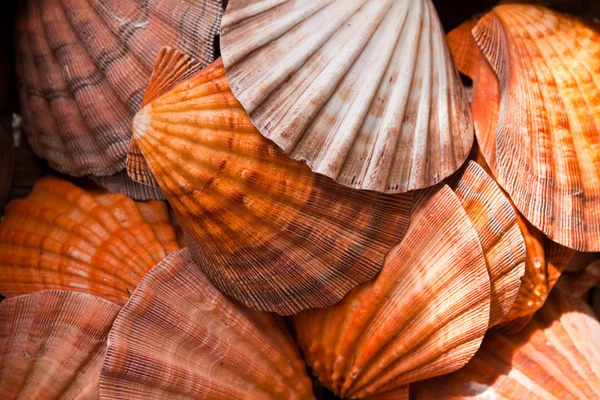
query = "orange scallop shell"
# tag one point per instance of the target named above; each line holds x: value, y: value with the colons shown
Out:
x: 495, y: 222
x: 554, y: 357
x: 87, y: 240
x: 83, y: 66
x: 424, y: 315
x: 52, y: 344
x: 535, y: 109
x: 179, y: 337
x: 263, y: 227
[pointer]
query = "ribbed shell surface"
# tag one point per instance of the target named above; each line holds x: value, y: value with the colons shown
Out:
x: 537, y: 118
x: 495, y: 222
x: 52, y: 345
x: 179, y: 337
x: 263, y: 227
x: 86, y: 240
x: 554, y: 357
x: 544, y: 263
x: 364, y: 91
x: 424, y: 315
x: 83, y: 67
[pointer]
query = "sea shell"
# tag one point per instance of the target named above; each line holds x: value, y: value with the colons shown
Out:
x: 52, y: 344
x: 263, y: 228
x: 67, y: 238
x: 536, y: 116
x: 554, y: 357
x: 179, y: 337
x: 364, y: 91
x: 83, y: 67
x: 495, y: 222
x: 424, y: 315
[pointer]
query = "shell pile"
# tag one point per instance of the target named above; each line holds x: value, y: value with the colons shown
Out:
x: 330, y: 221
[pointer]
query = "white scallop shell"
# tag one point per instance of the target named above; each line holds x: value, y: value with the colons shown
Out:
x: 364, y: 91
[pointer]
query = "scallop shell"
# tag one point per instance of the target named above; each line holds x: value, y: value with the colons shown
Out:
x: 424, y: 315
x: 67, y: 238
x: 83, y: 67
x: 179, y: 337
x: 364, y: 91
x: 536, y: 118
x: 263, y: 228
x: 555, y: 357
x: 52, y: 344
x: 495, y: 222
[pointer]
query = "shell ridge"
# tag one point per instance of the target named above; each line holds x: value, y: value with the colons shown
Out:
x: 294, y: 131
x: 342, y: 151
x: 370, y: 375
x: 375, y: 167
x: 274, y: 81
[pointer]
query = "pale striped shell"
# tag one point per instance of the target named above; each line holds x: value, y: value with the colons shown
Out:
x: 364, y: 91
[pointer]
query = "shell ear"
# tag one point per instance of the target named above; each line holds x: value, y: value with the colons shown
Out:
x: 171, y: 67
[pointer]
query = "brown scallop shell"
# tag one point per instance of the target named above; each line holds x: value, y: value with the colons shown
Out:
x: 83, y: 67
x: 536, y: 116
x: 64, y: 237
x: 179, y: 337
x: 495, y: 222
x: 52, y: 344
x: 364, y: 91
x: 424, y: 315
x: 554, y: 357
x: 263, y: 227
